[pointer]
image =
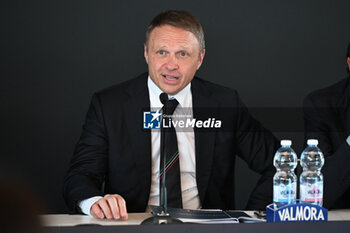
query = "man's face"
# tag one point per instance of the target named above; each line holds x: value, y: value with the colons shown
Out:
x: 348, y: 61
x: 173, y: 57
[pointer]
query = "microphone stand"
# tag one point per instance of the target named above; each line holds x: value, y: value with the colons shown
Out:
x: 163, y: 217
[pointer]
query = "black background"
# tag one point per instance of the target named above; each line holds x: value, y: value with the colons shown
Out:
x: 55, y: 54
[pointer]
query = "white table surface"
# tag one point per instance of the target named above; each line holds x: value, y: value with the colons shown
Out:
x: 51, y: 220
x: 54, y: 220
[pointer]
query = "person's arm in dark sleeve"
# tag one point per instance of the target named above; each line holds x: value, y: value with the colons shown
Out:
x: 88, y: 165
x: 256, y: 146
x: 336, y: 171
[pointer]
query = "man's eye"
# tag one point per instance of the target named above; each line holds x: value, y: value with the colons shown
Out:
x: 161, y: 52
x: 182, y: 54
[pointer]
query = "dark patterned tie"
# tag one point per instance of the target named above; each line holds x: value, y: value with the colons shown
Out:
x: 172, y: 169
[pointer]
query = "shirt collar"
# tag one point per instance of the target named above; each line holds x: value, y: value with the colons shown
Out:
x: 184, y: 97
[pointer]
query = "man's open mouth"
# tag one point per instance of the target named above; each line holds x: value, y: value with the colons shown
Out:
x: 169, y: 77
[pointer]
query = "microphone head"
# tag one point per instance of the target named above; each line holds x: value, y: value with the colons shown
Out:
x: 163, y: 98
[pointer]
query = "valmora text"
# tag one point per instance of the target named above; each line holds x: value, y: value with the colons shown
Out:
x: 301, y: 213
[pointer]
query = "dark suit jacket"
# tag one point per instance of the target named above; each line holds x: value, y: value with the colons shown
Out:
x: 327, y: 118
x: 115, y: 150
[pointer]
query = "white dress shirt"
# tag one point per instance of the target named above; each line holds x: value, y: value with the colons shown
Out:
x: 186, y: 146
x: 348, y: 140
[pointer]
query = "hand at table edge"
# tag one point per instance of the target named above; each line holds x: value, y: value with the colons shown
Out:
x: 111, y: 206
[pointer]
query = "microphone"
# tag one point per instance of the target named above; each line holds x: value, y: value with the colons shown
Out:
x: 163, y: 98
x: 163, y: 217
x: 163, y: 199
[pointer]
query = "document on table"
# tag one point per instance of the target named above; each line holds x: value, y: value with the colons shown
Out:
x: 208, y: 216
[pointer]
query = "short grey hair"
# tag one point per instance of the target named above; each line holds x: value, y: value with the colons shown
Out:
x: 180, y: 19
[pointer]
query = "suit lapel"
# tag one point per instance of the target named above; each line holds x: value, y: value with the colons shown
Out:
x: 346, y: 121
x: 204, y: 107
x: 140, y: 138
x: 343, y: 111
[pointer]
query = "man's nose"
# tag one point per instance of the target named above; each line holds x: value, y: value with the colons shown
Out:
x: 172, y: 63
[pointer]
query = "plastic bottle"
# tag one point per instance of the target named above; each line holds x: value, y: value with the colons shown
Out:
x: 285, y: 180
x: 311, y: 179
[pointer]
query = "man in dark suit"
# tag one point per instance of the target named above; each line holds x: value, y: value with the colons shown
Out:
x: 115, y: 167
x: 327, y: 118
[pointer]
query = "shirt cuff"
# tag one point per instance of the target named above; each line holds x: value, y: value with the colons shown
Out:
x: 85, y: 205
x: 348, y: 140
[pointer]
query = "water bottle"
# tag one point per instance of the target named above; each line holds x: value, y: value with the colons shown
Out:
x: 311, y: 179
x: 285, y: 180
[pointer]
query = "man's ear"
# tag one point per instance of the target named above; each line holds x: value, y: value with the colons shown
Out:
x: 145, y: 54
x: 348, y: 61
x: 201, y: 57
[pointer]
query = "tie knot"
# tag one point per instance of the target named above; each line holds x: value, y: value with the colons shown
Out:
x: 170, y: 106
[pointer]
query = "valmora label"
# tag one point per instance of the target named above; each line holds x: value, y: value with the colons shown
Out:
x: 296, y: 212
